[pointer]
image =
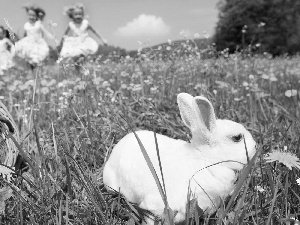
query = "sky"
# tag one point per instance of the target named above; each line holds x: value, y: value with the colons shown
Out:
x: 124, y: 23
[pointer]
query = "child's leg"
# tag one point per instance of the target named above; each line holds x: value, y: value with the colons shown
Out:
x: 79, y: 61
x: 32, y: 67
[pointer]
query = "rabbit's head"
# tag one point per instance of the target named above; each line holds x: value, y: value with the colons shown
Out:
x: 218, y: 140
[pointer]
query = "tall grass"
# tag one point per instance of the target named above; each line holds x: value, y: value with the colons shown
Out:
x: 70, y: 120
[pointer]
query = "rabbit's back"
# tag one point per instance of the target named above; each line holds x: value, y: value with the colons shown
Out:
x: 126, y: 167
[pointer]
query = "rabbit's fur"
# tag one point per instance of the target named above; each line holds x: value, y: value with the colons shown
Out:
x: 212, y: 141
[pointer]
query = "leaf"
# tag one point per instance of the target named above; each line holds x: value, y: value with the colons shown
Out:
x: 240, y: 183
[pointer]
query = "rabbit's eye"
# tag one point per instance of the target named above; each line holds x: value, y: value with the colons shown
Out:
x: 237, y: 138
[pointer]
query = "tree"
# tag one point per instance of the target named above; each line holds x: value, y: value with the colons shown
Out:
x: 274, y: 24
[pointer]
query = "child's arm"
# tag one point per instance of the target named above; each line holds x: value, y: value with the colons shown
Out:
x: 47, y: 33
x: 97, y: 34
x: 10, y: 46
x: 63, y: 37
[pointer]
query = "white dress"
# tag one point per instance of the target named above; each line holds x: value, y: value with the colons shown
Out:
x: 6, y: 56
x: 79, y: 43
x: 33, y: 48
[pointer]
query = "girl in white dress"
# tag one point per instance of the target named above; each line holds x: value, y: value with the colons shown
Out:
x: 33, y: 48
x: 76, y: 41
x: 6, y: 50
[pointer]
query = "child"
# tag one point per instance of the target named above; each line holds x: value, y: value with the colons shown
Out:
x: 33, y: 48
x: 6, y: 50
x: 78, y: 43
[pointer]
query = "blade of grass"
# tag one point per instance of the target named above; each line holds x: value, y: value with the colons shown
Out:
x: 273, y: 201
x: 90, y: 132
x: 42, y: 169
x: 21, y: 151
x: 54, y: 142
x: 69, y: 182
x: 240, y: 183
x: 90, y: 189
x: 170, y: 214
x: 149, y: 163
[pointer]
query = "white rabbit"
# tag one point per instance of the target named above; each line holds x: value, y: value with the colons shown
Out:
x: 213, y: 141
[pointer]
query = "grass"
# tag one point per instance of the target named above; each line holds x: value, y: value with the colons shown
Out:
x: 70, y: 119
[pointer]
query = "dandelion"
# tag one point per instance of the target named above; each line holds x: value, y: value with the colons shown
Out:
x: 238, y: 99
x: 105, y: 84
x: 44, y: 90
x: 205, y: 35
x: 298, y: 181
x: 270, y: 77
x: 251, y: 77
x: 123, y: 86
x: 86, y: 72
x: 58, y: 61
x: 154, y: 90
x: 261, y: 94
x: 60, y: 84
x: 185, y: 33
x: 169, y: 41
x: 259, y: 188
x: 289, y: 159
x: 244, y: 29
x: 222, y: 84
x: 245, y: 84
x: 51, y: 23
x: 196, y: 35
x: 290, y: 93
x: 273, y: 78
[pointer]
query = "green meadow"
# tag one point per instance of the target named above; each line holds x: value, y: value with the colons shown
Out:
x: 71, y: 114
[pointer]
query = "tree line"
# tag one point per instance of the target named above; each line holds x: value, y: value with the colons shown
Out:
x: 271, y: 26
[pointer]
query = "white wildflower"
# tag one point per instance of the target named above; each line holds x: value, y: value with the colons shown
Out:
x: 289, y: 159
x: 259, y: 188
x: 206, y: 35
x: 290, y: 93
x: 196, y: 35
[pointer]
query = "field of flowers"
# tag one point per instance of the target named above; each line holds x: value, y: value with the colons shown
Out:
x: 70, y: 117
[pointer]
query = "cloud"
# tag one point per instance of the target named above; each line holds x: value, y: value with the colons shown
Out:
x: 144, y: 25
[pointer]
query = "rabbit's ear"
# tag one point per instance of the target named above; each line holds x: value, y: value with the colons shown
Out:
x: 206, y: 113
x: 186, y: 108
x: 198, y: 115
x: 205, y: 122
